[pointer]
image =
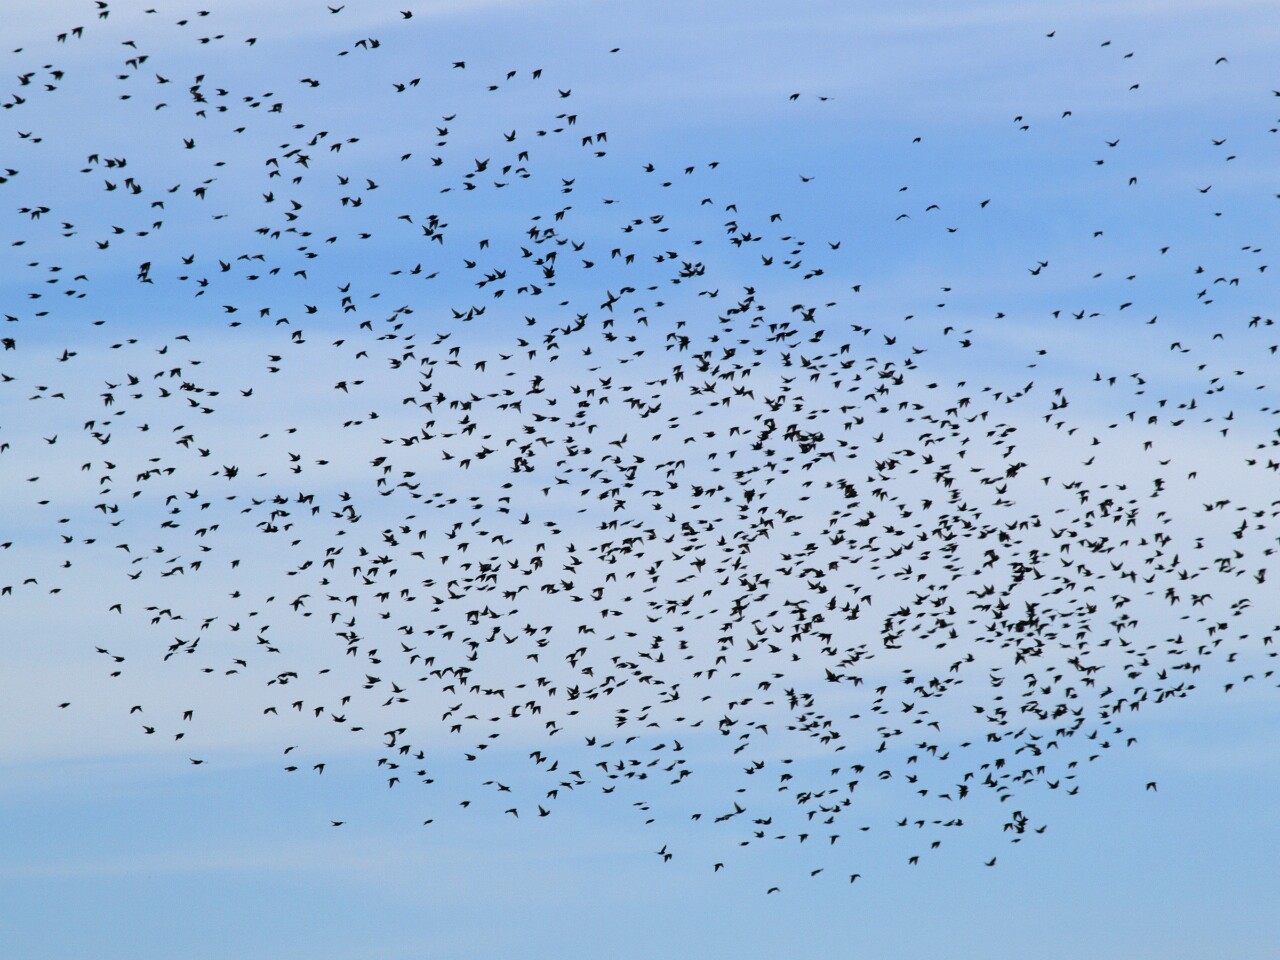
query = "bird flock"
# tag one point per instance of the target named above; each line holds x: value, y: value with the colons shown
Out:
x: 393, y: 417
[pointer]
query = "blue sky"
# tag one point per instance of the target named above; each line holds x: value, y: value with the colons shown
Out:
x: 1059, y: 216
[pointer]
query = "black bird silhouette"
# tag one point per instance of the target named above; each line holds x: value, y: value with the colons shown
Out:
x: 714, y: 517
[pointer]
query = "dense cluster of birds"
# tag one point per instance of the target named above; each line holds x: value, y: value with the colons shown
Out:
x: 455, y: 433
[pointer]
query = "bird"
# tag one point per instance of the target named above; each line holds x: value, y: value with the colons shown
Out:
x: 915, y: 551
